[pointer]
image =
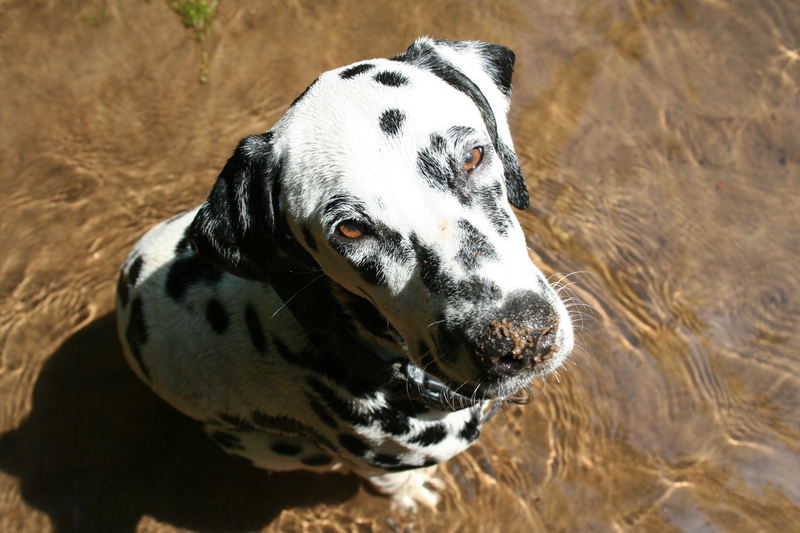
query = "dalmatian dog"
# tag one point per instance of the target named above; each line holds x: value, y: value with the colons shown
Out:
x: 355, y: 292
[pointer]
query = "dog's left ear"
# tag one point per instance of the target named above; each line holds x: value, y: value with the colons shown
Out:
x: 237, y: 226
x: 483, y: 72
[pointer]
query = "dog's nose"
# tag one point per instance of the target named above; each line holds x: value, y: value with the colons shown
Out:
x: 520, y: 337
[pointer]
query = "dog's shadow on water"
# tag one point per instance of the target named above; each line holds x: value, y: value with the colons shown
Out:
x: 100, y: 450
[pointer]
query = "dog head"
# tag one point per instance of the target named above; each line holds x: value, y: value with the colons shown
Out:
x: 395, y: 176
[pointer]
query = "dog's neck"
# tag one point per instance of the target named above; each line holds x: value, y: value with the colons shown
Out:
x: 353, y: 342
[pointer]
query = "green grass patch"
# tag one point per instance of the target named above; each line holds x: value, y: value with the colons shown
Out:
x: 197, y: 14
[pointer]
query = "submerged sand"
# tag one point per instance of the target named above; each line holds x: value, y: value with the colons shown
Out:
x: 660, y: 142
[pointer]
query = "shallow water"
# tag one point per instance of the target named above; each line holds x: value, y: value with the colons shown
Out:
x: 660, y: 142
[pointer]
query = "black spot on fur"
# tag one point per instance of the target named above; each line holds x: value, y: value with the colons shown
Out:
x: 188, y: 271
x: 394, y: 246
x: 289, y: 426
x: 433, y: 276
x: 286, y: 354
x: 305, y: 92
x: 391, y: 120
x: 227, y: 440
x: 282, y: 447
x: 216, y: 316
x: 353, y: 444
x: 431, y: 435
x: 343, y: 409
x: 184, y: 244
x: 321, y: 412
x: 317, y: 460
x: 491, y: 204
x: 371, y: 271
x: 475, y: 289
x: 441, y: 171
x: 236, y: 422
x: 136, y: 334
x: 471, y: 429
x: 474, y: 245
x: 254, y: 328
x: 391, y: 78
x: 392, y: 421
x: 407, y: 406
x: 401, y: 468
x: 122, y: 289
x: 355, y: 70
x: 430, y: 461
x: 309, y: 238
x: 385, y: 459
x: 135, y: 270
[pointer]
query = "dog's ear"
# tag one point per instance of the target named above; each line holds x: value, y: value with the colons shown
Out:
x: 236, y: 227
x: 483, y: 72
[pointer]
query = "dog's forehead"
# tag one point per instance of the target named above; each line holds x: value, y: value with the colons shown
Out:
x: 360, y: 128
x: 387, y: 105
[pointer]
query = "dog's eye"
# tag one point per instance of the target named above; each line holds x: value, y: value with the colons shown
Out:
x: 473, y: 159
x: 351, y: 229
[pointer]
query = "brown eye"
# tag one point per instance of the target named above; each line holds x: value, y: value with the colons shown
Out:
x: 473, y: 158
x: 351, y: 229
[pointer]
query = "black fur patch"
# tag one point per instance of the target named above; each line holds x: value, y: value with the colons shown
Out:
x: 391, y: 78
x: 394, y: 246
x: 441, y: 171
x: 188, y: 271
x: 353, y: 444
x: 122, y: 289
x: 282, y: 447
x: 491, y: 204
x: 475, y: 289
x: 290, y: 426
x: 371, y: 271
x: 471, y: 429
x: 431, y: 435
x: 136, y: 334
x: 340, y: 407
x: 305, y: 92
x: 407, y: 406
x: 391, y: 120
x: 236, y: 422
x: 309, y: 238
x: 385, y: 459
x: 433, y: 276
x: 227, y: 440
x: 216, y: 316
x: 401, y: 468
x: 286, y: 354
x: 185, y: 243
x: 355, y: 70
x: 254, y: 328
x: 474, y: 245
x: 135, y: 270
x: 392, y: 421
x: 321, y: 412
x: 343, y: 206
x: 317, y: 460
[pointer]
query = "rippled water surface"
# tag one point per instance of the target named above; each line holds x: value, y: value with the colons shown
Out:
x: 661, y: 145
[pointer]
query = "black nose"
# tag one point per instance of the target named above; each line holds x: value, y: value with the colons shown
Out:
x: 518, y: 337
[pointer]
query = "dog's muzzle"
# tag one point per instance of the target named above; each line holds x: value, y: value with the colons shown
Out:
x: 519, y: 337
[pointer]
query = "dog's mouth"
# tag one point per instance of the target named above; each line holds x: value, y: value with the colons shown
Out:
x: 438, y: 395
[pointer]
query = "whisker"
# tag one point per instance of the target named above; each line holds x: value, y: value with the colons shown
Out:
x: 304, y: 287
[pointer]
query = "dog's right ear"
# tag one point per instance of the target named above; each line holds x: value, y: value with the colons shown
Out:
x: 236, y: 226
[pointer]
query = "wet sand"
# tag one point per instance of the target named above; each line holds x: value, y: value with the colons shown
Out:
x: 660, y: 143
